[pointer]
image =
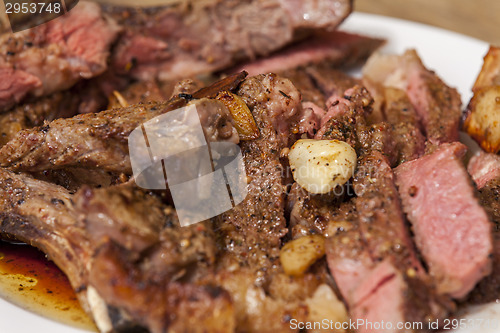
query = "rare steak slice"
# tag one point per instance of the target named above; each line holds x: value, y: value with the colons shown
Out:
x: 436, y: 104
x: 452, y: 231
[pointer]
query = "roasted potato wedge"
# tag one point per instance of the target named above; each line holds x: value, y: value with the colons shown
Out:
x: 297, y: 255
x: 490, y: 72
x: 483, y: 118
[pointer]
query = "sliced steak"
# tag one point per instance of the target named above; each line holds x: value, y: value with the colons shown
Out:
x: 398, y: 108
x: 372, y: 258
x: 139, y: 243
x: 347, y: 255
x: 345, y: 115
x: 304, y: 83
x: 54, y: 56
x: 393, y: 106
x: 95, y: 140
x: 452, y: 231
x: 251, y: 234
x: 320, y: 85
x: 202, y: 37
x: 380, y: 213
x: 438, y: 106
x: 340, y: 49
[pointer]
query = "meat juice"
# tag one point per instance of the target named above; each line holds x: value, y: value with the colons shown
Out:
x: 29, y: 280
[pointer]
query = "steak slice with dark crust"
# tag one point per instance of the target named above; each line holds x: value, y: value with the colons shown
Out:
x: 372, y: 258
x: 452, y: 231
x: 488, y: 289
x: 255, y: 227
x: 438, y: 106
x: 251, y: 234
x: 484, y: 169
x: 32, y: 114
x: 144, y: 264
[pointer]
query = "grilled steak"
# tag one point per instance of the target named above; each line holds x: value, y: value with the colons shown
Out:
x: 452, y: 231
x: 410, y: 143
x: 203, y: 37
x: 251, y: 233
x: 134, y: 267
x: 345, y: 120
x: 54, y: 56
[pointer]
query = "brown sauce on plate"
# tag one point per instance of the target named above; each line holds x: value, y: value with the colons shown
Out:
x: 29, y: 280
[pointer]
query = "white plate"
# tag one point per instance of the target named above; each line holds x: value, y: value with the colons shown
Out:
x: 457, y: 59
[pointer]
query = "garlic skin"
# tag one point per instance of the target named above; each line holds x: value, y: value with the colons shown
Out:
x: 319, y: 166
